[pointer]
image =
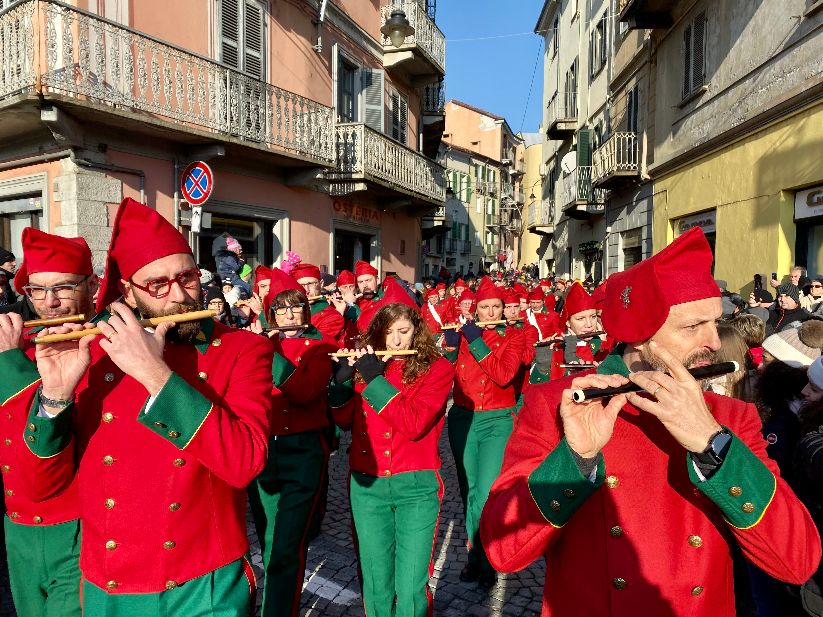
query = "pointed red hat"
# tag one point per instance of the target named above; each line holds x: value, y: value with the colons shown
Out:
x: 362, y: 268
x: 638, y: 300
x: 599, y: 295
x: 345, y: 278
x: 537, y: 294
x: 305, y: 271
x: 44, y: 252
x: 511, y: 296
x: 139, y: 236
x: 487, y: 289
x: 261, y: 273
x: 280, y: 281
x: 577, y: 300
x: 460, y: 283
x: 393, y: 293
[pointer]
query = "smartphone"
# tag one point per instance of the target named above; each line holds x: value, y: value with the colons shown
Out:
x: 758, y: 281
x: 774, y: 276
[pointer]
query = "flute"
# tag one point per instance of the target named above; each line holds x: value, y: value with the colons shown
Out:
x: 396, y: 352
x: 54, y: 321
x: 558, y: 340
x: 577, y: 367
x: 153, y: 321
x: 701, y: 372
x: 286, y: 328
x: 315, y: 298
x: 457, y: 326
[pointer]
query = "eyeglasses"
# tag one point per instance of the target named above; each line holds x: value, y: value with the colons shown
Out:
x: 294, y: 308
x: 61, y: 292
x: 816, y: 286
x: 160, y: 288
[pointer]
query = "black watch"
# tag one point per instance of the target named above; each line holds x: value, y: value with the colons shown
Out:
x: 716, y: 449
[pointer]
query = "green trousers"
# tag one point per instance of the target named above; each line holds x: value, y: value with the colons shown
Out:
x: 43, y: 568
x: 225, y: 592
x: 395, y: 524
x: 478, y: 440
x: 283, y: 499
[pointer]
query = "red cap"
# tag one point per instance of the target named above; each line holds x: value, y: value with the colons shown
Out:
x: 345, y: 278
x: 261, y: 273
x: 577, y: 301
x: 44, y: 252
x: 546, y: 282
x: 362, y: 268
x: 638, y: 300
x: 511, y: 296
x: 537, y: 294
x: 467, y: 294
x: 305, y: 271
x: 280, y: 281
x: 139, y: 236
x: 441, y: 286
x: 432, y: 292
x: 393, y: 293
x: 522, y: 292
x: 599, y: 295
x: 460, y: 283
x: 488, y: 290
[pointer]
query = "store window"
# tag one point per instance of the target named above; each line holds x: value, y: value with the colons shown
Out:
x: 15, y: 215
x: 707, y: 221
x: 632, y: 247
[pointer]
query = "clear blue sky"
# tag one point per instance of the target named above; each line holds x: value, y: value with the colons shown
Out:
x: 494, y: 73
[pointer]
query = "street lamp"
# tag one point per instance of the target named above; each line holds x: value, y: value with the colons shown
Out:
x: 397, y: 28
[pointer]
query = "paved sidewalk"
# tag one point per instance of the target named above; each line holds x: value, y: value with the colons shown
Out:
x: 332, y: 587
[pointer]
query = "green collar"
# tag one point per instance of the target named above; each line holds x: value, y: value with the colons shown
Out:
x: 319, y: 305
x: 312, y: 332
x: 204, y: 337
x: 501, y: 329
x: 613, y: 363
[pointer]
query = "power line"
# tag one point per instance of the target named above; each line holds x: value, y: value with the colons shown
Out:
x: 529, y: 96
x: 508, y: 36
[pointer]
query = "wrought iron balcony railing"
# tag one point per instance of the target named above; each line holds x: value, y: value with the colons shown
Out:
x: 618, y: 156
x: 427, y: 37
x: 366, y: 154
x: 562, y: 110
x: 50, y: 47
x: 434, y: 98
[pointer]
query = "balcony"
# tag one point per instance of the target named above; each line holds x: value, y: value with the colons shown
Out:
x: 451, y: 245
x: 576, y: 196
x: 102, y: 73
x: 507, y: 190
x: 616, y: 161
x: 423, y: 54
x: 433, y: 97
x: 493, y: 222
x: 518, y: 167
x: 562, y: 115
x: 650, y: 14
x: 439, y: 222
x: 368, y: 160
x: 465, y: 247
x: 540, y: 217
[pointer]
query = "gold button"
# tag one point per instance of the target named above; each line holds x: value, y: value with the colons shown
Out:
x: 108, y: 416
x: 171, y: 584
x: 569, y: 493
x: 386, y: 452
x: 6, y: 468
x: 111, y: 545
x: 108, y: 460
x: 8, y: 415
x: 619, y: 583
x: 386, y: 435
x: 179, y: 462
x: 216, y: 342
x: 612, y: 482
x: 9, y: 492
x: 285, y: 428
x: 202, y: 375
x: 616, y: 531
x: 307, y: 344
x: 32, y: 428
x: 111, y: 585
x: 174, y: 507
x: 748, y: 507
x: 365, y: 414
x: 7, y: 442
x: 696, y: 591
x: 695, y: 541
x: 387, y: 473
x: 554, y: 505
x: 109, y: 503
x: 14, y: 515
x: 169, y: 544
x: 109, y: 377
x: 159, y: 425
x: 735, y: 491
x: 38, y: 519
x: 30, y: 438
x: 174, y: 434
x: 285, y: 412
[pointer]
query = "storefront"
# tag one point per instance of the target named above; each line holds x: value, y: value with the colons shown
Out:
x: 808, y: 216
x: 355, y: 235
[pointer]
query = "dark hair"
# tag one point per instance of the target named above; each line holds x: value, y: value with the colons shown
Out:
x: 422, y: 341
x: 777, y: 385
x: 292, y: 296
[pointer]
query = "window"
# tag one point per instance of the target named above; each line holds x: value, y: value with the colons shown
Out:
x: 556, y: 35
x: 359, y: 90
x: 570, y: 102
x: 346, y: 91
x: 632, y: 245
x: 694, y: 55
x: 632, y: 109
x: 597, y: 46
x: 371, y: 82
x: 399, y: 108
x: 242, y: 36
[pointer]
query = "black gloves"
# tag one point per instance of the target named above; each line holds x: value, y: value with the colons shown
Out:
x: 452, y: 338
x: 342, y: 372
x: 543, y: 359
x: 370, y: 366
x: 471, y: 331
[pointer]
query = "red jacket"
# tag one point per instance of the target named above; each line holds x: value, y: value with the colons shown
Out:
x: 485, y: 371
x: 300, y: 372
x: 530, y: 337
x: 163, y: 490
x: 396, y: 427
x: 644, y: 537
x: 427, y: 312
x: 328, y: 320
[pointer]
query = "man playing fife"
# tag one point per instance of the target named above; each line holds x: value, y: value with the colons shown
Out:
x: 637, y: 501
x: 42, y: 539
x: 181, y: 428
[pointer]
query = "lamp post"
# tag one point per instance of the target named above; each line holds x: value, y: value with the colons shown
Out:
x: 397, y: 28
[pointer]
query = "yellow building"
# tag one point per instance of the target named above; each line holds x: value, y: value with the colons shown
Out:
x: 538, y: 218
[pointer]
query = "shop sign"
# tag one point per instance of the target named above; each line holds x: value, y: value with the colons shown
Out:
x: 808, y: 203
x: 705, y: 220
x: 354, y: 213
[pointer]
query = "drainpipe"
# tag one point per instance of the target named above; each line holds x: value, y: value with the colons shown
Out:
x: 39, y: 158
x: 318, y: 47
x: 115, y: 169
x: 176, y: 193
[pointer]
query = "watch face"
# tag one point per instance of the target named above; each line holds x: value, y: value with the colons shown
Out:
x: 720, y: 443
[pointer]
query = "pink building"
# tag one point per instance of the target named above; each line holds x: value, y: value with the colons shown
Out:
x: 316, y: 125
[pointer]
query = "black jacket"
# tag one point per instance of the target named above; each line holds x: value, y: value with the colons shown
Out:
x: 7, y: 295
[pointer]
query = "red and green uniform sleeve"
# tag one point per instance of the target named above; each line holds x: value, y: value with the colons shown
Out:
x: 501, y: 362
x: 414, y: 410
x: 303, y: 371
x: 19, y: 374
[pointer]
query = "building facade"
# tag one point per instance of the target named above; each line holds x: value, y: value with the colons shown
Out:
x: 315, y: 124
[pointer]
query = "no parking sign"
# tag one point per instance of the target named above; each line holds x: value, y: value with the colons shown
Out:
x: 197, y: 183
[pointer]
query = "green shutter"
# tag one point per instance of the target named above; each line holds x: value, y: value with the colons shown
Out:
x: 584, y: 148
x: 468, y: 188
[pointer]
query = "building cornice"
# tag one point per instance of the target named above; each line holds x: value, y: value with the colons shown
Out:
x: 546, y: 13
x: 351, y: 29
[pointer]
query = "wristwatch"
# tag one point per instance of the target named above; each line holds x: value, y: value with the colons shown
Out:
x: 716, y: 449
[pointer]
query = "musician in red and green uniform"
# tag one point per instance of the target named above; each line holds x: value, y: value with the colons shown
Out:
x: 181, y: 427
x: 287, y: 494
x: 487, y: 360
x: 42, y: 538
x: 394, y: 409
x: 324, y: 317
x: 368, y: 286
x: 430, y: 311
x: 511, y: 313
x: 580, y: 317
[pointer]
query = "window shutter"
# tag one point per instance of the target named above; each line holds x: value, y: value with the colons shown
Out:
x: 230, y: 33
x: 468, y: 188
x: 404, y: 120
x: 584, y: 148
x: 604, y: 39
x: 394, y: 109
x: 253, y: 28
x: 687, y: 60
x: 698, y: 51
x: 371, y: 81
x: 335, y: 87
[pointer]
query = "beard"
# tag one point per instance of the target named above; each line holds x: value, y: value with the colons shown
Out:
x: 369, y: 294
x: 657, y: 364
x: 185, y: 332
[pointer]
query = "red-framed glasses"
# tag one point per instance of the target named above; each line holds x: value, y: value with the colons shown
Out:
x: 161, y: 287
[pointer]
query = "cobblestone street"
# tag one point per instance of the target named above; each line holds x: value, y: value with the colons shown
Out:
x: 332, y: 586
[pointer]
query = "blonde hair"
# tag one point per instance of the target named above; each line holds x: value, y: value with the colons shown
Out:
x: 751, y: 328
x: 733, y: 348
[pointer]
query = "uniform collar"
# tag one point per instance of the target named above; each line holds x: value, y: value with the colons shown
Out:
x: 203, y: 339
x: 312, y: 333
x: 613, y: 364
x: 319, y: 305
